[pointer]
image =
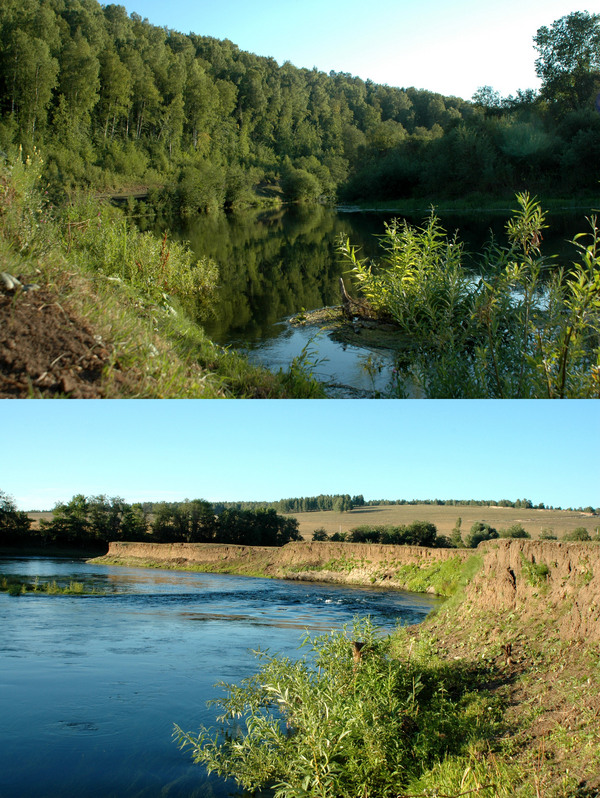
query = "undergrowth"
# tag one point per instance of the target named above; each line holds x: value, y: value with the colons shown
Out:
x: 341, y: 723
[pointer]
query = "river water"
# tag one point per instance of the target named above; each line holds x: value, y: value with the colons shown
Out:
x: 273, y: 264
x: 90, y: 686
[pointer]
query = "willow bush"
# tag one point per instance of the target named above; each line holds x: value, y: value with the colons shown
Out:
x: 525, y: 327
x: 340, y: 723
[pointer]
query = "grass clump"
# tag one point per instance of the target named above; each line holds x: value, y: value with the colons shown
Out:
x: 444, y: 578
x: 535, y: 573
x: 16, y: 586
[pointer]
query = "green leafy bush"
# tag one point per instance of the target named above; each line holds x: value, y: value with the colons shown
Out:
x: 420, y: 281
x: 515, y: 531
x: 479, y: 532
x: 346, y: 720
x: 578, y: 534
x: 524, y: 329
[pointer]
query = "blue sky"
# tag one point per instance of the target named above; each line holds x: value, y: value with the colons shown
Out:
x: 452, y: 48
x: 267, y: 450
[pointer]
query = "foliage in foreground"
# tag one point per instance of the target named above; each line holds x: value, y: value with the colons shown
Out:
x: 524, y: 329
x: 340, y: 723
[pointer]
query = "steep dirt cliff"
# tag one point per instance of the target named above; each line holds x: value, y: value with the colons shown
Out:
x: 537, y: 579
x: 349, y: 563
x: 541, y: 580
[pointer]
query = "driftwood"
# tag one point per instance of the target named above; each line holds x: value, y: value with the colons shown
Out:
x: 353, y: 307
x: 360, y: 309
x: 357, y: 647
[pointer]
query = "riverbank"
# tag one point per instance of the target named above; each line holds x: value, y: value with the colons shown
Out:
x: 416, y: 568
x: 501, y: 574
x: 521, y: 632
x: 476, y: 204
x: 91, y: 307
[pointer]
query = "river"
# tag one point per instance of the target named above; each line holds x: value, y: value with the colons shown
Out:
x: 90, y: 686
x: 275, y: 263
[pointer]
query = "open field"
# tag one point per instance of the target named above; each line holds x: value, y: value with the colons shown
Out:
x: 37, y: 517
x: 444, y: 517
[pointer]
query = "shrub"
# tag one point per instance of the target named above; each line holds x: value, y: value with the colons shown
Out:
x: 339, y: 537
x: 514, y: 531
x: 522, y: 330
x: 344, y: 721
x: 578, y: 534
x: 479, y: 532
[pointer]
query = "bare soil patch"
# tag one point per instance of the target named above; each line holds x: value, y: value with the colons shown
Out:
x: 48, y: 351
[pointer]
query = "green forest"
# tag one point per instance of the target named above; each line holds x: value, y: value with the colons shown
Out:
x: 96, y: 104
x: 111, y: 102
x: 92, y: 521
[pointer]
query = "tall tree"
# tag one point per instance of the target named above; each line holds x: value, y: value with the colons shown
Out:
x: 569, y: 60
x: 14, y: 524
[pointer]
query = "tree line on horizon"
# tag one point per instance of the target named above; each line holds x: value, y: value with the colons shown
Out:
x: 343, y: 502
x: 111, y: 100
x: 93, y: 522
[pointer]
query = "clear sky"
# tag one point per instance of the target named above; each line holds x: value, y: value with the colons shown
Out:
x: 447, y: 47
x: 266, y: 450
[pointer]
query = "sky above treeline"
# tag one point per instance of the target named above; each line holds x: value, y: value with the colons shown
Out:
x: 450, y: 48
x: 546, y: 451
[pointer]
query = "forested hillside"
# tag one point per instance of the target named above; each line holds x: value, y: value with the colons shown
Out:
x: 113, y: 101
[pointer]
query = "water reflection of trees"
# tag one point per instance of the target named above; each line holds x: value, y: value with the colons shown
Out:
x: 273, y: 263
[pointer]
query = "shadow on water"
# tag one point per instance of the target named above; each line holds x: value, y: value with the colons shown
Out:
x: 91, y: 685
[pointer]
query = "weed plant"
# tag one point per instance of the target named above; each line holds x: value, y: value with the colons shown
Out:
x: 15, y: 586
x: 525, y: 328
x: 339, y: 725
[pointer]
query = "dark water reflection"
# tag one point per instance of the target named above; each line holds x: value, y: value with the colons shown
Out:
x: 276, y: 263
x: 90, y: 686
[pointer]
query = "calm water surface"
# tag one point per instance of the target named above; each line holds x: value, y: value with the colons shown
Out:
x: 274, y: 264
x: 90, y: 686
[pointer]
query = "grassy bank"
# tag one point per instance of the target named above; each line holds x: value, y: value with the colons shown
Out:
x: 234, y: 569
x: 473, y: 701
x: 132, y: 298
x: 473, y: 204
